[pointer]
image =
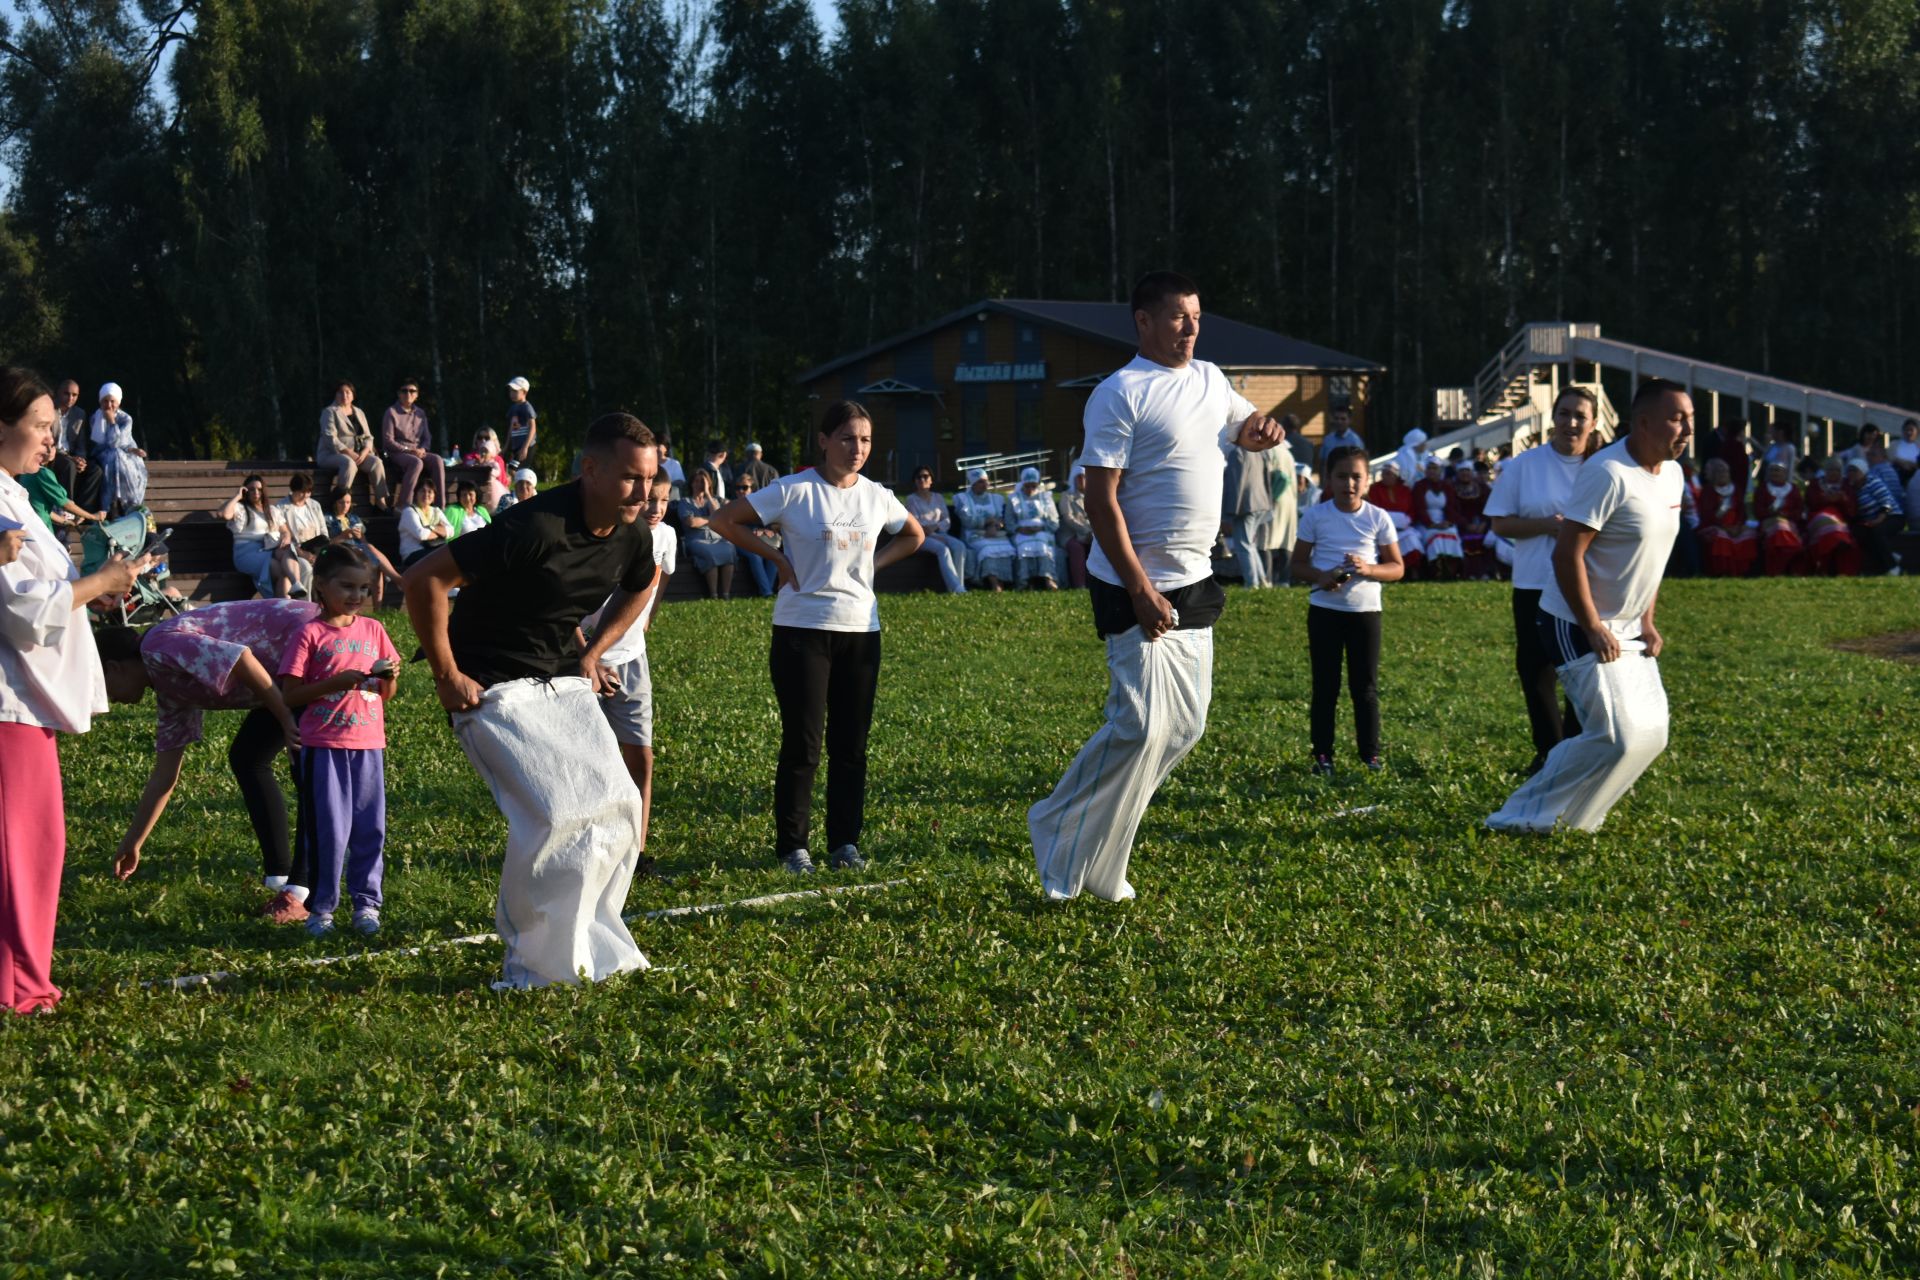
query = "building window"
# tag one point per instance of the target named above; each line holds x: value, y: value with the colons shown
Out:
x: 973, y: 427
x: 1026, y: 425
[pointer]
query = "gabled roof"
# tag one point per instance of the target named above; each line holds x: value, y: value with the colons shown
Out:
x: 1227, y: 343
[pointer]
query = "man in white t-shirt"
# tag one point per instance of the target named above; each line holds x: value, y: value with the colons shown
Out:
x: 1596, y: 618
x: 629, y: 707
x: 1157, y: 432
x: 1526, y: 507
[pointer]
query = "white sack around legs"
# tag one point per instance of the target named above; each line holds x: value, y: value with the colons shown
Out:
x: 1156, y: 711
x: 573, y: 829
x: 1623, y: 729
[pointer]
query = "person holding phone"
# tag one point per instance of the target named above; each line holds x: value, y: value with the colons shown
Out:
x: 1347, y: 547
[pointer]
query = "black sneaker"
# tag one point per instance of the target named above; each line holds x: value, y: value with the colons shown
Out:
x: 847, y: 858
x: 1376, y: 764
x: 798, y: 862
x: 1323, y: 766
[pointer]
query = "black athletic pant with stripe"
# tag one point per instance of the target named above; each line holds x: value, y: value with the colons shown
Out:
x: 1551, y: 718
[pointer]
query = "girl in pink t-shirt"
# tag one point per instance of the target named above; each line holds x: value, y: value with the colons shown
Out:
x: 339, y: 670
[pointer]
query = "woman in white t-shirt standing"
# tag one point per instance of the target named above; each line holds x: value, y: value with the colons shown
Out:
x: 826, y: 626
x: 1347, y: 547
x: 1526, y: 506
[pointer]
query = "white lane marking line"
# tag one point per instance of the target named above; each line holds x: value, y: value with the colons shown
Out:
x: 664, y: 913
x: 1356, y: 812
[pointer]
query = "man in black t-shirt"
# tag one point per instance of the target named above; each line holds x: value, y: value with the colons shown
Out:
x: 522, y: 693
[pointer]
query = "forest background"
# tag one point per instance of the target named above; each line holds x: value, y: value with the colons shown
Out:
x: 675, y: 207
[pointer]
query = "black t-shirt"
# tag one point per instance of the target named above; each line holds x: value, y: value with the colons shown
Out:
x: 520, y: 417
x: 531, y: 575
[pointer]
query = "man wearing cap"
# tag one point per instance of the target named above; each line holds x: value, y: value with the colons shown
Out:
x: 1596, y: 618
x: 762, y: 472
x: 520, y: 421
x: 526, y: 483
x: 1157, y: 436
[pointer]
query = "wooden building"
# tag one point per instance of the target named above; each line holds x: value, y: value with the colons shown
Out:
x: 1012, y: 375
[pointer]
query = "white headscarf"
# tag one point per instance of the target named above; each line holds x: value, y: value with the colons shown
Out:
x: 974, y: 476
x: 110, y: 389
x: 1029, y: 475
x: 1411, y: 456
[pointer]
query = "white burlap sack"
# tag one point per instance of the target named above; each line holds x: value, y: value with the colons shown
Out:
x: 1156, y: 712
x: 1623, y: 729
x: 573, y: 829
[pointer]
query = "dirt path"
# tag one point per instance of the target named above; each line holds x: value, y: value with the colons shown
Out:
x: 1895, y: 646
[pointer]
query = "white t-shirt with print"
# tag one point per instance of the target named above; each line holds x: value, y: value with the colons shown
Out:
x: 1336, y: 534
x: 1169, y: 431
x: 1636, y: 515
x: 1534, y: 485
x: 829, y: 535
x: 666, y: 554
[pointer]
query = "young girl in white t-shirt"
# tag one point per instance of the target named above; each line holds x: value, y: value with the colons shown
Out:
x: 826, y: 626
x: 1347, y: 547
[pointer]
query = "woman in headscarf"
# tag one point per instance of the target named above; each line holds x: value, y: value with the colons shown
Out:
x: 1076, y: 531
x: 1438, y: 523
x: 983, y: 522
x: 1727, y: 544
x: 122, y: 463
x: 1831, y: 548
x: 1034, y: 520
x: 1391, y: 494
x: 1412, y: 460
x: 1470, y: 517
x: 930, y: 509
x: 1779, y: 510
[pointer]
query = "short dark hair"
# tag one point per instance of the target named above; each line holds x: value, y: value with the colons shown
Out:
x: 348, y: 385
x: 299, y: 482
x: 610, y: 428
x: 661, y: 480
x: 338, y: 557
x: 19, y: 388
x: 1593, y: 401
x: 465, y: 486
x: 1650, y: 390
x: 840, y: 413
x: 117, y: 644
x: 404, y: 383
x: 1156, y: 287
x: 1291, y: 421
x: 716, y: 446
x: 1344, y: 452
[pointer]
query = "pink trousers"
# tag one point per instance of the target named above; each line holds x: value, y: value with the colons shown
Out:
x: 33, y: 846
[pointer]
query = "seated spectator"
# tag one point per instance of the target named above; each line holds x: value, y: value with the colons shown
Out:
x: 1410, y: 461
x: 715, y: 466
x: 763, y: 472
x: 406, y: 445
x: 711, y: 554
x: 983, y: 522
x: 423, y: 526
x: 1730, y: 443
x: 1435, y: 517
x: 1391, y: 494
x: 1781, y: 516
x: 344, y: 526
x: 305, y: 523
x: 1868, y: 437
x: 1075, y: 536
x: 1881, y: 468
x: 1728, y: 543
x: 1831, y: 547
x: 1904, y: 453
x: 1876, y: 518
x: 1470, y: 519
x: 526, y: 483
x: 1034, y: 520
x: 262, y: 547
x: 930, y: 509
x: 766, y: 580
x: 486, y: 453
x: 466, y: 514
x: 111, y: 448
x: 49, y: 498
x: 345, y: 447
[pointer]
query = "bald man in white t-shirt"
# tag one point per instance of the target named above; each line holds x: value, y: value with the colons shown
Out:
x: 1596, y: 618
x: 1155, y: 457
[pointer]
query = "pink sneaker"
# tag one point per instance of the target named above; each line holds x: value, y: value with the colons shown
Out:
x: 284, y: 909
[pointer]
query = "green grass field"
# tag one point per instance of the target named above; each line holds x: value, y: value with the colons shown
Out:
x: 1385, y: 1044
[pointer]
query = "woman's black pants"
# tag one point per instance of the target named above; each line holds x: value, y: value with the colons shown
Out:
x: 257, y: 748
x: 1550, y: 719
x: 1334, y: 635
x: 825, y: 683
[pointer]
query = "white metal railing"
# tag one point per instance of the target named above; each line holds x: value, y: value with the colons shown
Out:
x: 1003, y: 469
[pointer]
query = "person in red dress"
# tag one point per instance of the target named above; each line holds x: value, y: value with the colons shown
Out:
x: 1782, y: 515
x: 1727, y: 544
x: 1438, y: 523
x: 1470, y: 517
x: 1830, y: 507
x: 1391, y: 494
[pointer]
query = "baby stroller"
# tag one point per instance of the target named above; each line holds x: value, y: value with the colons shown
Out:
x: 132, y: 536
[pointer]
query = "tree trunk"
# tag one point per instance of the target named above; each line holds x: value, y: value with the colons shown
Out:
x: 442, y: 443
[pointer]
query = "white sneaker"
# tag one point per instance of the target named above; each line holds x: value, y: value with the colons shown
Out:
x: 798, y: 862
x: 320, y: 926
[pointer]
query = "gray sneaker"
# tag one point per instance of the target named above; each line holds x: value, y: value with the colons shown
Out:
x: 847, y: 858
x: 798, y: 862
x: 320, y: 926
x: 366, y: 921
